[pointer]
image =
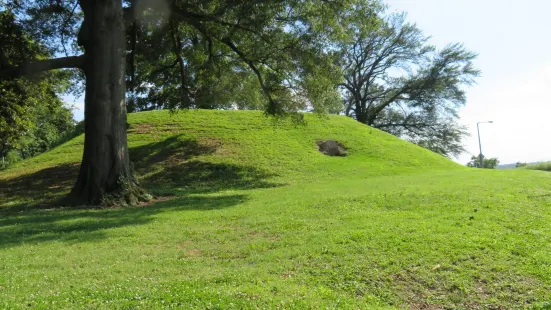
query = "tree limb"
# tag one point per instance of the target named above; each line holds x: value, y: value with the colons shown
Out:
x: 251, y: 65
x: 163, y: 68
x: 65, y: 26
x: 43, y: 65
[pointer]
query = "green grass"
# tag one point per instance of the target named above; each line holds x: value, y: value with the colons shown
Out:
x: 541, y: 166
x: 251, y: 215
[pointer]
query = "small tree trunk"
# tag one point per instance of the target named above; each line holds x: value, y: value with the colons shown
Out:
x: 361, y: 116
x: 105, y: 174
x: 370, y: 119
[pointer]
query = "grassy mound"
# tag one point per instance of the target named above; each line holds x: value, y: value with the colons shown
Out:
x: 541, y: 166
x: 253, y: 216
x: 212, y: 150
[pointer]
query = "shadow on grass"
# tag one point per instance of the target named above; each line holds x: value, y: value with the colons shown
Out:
x: 171, y: 150
x: 169, y: 167
x: 37, y: 189
x: 85, y: 225
x: 171, y: 164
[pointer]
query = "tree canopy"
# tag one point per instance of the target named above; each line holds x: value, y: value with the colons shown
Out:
x: 394, y: 80
x: 263, y: 54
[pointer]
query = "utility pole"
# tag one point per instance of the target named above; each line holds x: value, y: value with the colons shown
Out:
x: 480, y: 156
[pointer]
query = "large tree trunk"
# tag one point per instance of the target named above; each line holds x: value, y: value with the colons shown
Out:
x: 105, y: 174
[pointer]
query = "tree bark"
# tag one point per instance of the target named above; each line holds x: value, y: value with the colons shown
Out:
x: 105, y: 175
x: 361, y: 113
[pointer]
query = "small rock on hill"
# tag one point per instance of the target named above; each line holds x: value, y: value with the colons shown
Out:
x: 331, y: 148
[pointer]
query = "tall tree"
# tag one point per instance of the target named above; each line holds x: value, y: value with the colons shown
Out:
x: 395, y: 81
x: 174, y: 66
x: 432, y: 130
x: 280, y: 42
x: 105, y: 167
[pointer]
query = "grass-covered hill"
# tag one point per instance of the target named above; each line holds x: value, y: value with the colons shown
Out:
x: 235, y: 149
x: 250, y: 215
x: 544, y: 166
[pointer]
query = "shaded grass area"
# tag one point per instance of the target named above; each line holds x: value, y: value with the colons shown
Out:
x: 82, y: 225
x: 163, y: 167
x: 36, y: 189
x: 259, y: 219
x: 173, y: 164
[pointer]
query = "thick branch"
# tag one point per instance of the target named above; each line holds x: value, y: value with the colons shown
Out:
x: 43, y: 65
x: 177, y: 45
x: 253, y: 67
x: 415, y: 125
x: 163, y: 68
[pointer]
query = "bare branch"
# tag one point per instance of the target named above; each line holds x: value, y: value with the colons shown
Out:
x: 65, y: 22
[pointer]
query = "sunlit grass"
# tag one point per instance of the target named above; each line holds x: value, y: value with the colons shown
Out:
x: 251, y: 215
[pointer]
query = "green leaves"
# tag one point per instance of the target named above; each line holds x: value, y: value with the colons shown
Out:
x: 32, y: 117
x: 222, y: 46
x: 397, y: 82
x: 488, y: 163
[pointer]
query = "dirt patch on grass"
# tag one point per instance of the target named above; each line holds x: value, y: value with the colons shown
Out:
x: 184, y: 245
x: 154, y: 200
x: 194, y: 253
x: 424, y: 306
x: 141, y: 129
x: 434, y: 290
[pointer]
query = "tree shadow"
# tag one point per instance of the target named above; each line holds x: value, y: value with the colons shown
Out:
x: 37, y: 189
x: 85, y: 225
x: 175, y: 166
x: 168, y: 167
x: 171, y: 150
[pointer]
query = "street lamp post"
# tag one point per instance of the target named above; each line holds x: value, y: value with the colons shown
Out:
x: 480, y: 157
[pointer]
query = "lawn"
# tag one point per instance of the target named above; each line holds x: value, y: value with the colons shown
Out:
x: 250, y: 215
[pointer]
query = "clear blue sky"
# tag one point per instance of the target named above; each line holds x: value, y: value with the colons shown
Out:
x: 513, y: 40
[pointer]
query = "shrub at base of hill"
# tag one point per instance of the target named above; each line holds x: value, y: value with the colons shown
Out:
x: 49, y: 126
x: 489, y: 163
x: 541, y: 166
